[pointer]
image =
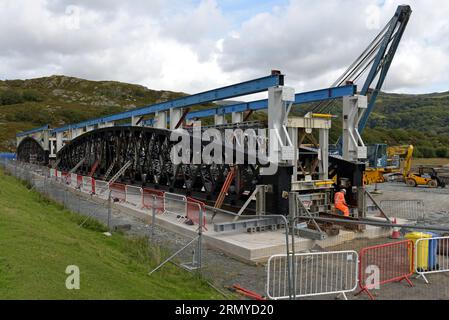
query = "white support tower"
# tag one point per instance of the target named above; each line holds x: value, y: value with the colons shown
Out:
x: 160, y: 120
x: 353, y: 109
x: 175, y: 117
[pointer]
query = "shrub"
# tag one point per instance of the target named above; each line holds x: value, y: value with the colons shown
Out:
x: 442, y: 152
x: 32, y: 95
x: 427, y: 152
x: 9, y: 97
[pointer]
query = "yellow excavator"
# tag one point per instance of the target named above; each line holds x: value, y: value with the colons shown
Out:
x: 425, y: 177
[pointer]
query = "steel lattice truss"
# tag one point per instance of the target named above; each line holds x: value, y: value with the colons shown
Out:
x: 149, y: 150
x: 31, y: 151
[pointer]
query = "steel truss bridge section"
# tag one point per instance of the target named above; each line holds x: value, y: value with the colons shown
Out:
x: 149, y: 150
x: 30, y: 151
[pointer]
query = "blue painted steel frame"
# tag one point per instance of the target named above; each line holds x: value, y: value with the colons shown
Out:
x: 301, y: 98
x: 30, y: 132
x: 233, y: 91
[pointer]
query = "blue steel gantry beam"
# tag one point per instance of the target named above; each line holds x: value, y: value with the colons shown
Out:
x: 301, y: 98
x: 233, y: 91
x: 30, y: 132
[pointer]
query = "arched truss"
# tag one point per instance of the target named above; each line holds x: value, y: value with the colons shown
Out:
x: 149, y: 150
x: 31, y: 151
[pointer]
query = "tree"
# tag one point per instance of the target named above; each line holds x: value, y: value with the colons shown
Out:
x: 442, y: 152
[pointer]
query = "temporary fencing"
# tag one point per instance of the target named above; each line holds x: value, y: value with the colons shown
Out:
x: 431, y: 256
x: 153, y: 198
x: 74, y: 181
x: 175, y: 203
x: 134, y: 196
x: 196, y: 212
x: 102, y: 189
x: 118, y: 192
x: 404, y: 209
x: 384, y: 264
x: 313, y: 274
x: 88, y: 185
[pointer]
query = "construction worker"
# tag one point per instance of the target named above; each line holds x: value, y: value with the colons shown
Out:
x: 340, y: 202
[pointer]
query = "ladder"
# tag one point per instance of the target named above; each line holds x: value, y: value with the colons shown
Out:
x: 94, y: 168
x: 120, y: 172
x: 224, y: 190
x: 108, y: 173
x: 78, y: 165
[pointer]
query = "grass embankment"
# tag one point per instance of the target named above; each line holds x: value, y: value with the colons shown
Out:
x: 39, y: 239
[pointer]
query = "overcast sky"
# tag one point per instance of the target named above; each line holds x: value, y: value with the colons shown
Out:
x: 196, y: 45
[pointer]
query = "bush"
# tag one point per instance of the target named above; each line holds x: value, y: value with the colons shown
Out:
x: 427, y: 152
x: 9, y: 97
x: 442, y: 152
x: 33, y: 96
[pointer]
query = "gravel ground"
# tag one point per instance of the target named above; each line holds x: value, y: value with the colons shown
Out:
x: 223, y: 271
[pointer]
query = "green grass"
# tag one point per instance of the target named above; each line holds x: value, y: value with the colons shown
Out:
x: 39, y: 239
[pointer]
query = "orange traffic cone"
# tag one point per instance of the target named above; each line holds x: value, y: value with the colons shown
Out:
x: 396, y: 231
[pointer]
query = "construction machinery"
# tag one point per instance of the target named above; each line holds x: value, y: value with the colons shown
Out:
x: 426, y: 176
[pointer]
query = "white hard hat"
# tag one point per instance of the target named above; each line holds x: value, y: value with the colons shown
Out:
x: 343, y: 190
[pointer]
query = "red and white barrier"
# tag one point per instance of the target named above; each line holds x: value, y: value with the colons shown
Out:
x: 134, y: 196
x: 154, y: 198
x: 384, y: 264
x: 196, y: 212
x: 88, y: 185
x: 118, y: 192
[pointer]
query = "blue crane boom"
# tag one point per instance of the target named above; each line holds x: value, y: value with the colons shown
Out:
x: 384, y: 58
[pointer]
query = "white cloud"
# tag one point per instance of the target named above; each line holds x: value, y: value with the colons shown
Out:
x: 192, y: 45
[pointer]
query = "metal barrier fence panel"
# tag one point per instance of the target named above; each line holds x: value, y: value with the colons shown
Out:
x: 118, y: 192
x: 74, y: 180
x: 196, y: 210
x: 134, y: 196
x: 392, y: 262
x: 102, y: 189
x: 404, y: 209
x: 175, y: 203
x: 153, y: 198
x: 431, y: 256
x: 314, y: 274
x: 88, y: 185
x: 65, y: 178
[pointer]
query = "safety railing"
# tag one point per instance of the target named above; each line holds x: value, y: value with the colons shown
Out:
x: 118, y: 192
x: 175, y: 203
x: 88, y: 185
x: 195, y: 211
x: 384, y: 264
x: 74, y: 182
x: 153, y: 199
x: 314, y: 274
x: 404, y: 209
x: 134, y: 196
x: 431, y: 256
x: 102, y: 189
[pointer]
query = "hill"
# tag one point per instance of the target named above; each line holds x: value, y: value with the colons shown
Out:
x: 399, y: 119
x: 60, y: 100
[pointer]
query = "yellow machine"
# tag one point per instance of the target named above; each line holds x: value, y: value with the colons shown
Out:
x: 417, y: 179
x: 383, y: 160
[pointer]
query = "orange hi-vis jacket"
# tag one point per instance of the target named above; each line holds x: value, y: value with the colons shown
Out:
x: 340, y: 203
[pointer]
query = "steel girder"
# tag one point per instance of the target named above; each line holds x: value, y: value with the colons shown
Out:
x: 149, y: 150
